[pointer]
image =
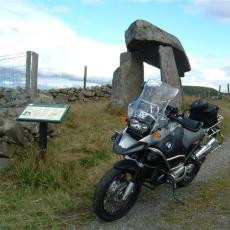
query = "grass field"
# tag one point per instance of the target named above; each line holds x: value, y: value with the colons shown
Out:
x: 58, y: 192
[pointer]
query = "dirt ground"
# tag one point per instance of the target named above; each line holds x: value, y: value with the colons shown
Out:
x: 158, y: 210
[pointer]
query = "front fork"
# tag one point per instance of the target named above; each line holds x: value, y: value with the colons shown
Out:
x: 132, y: 165
x: 135, y: 180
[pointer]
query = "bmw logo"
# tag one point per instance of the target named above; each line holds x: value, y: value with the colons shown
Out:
x: 168, y: 145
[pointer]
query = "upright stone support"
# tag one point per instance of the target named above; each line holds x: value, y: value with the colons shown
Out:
x: 127, y: 79
x: 169, y: 72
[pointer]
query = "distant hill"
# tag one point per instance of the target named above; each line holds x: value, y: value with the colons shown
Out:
x: 199, y: 90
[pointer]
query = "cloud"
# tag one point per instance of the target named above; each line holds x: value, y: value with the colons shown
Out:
x: 144, y: 1
x: 59, y: 9
x: 24, y: 26
x: 92, y: 1
x: 219, y: 9
x: 208, y: 71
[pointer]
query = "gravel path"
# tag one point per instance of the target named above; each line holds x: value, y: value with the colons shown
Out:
x: 152, y: 205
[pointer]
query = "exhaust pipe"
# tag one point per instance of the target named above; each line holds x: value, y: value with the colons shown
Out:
x: 209, y: 147
x: 178, y: 173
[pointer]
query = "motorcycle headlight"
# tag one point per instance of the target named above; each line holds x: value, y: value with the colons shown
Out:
x: 137, y: 125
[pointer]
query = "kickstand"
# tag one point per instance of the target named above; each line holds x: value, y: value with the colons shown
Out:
x: 174, y: 194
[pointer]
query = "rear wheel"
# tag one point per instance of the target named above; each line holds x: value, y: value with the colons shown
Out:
x: 108, y: 202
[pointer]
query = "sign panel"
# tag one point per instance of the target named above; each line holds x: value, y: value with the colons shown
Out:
x: 43, y: 113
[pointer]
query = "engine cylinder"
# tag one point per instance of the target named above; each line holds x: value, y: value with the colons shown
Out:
x: 178, y: 174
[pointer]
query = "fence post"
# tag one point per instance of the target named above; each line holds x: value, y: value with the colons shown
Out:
x: 28, y: 68
x: 228, y: 88
x: 85, y: 76
x: 219, y: 92
x: 34, y: 75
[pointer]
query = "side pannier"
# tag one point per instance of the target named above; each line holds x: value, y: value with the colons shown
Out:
x: 204, y: 112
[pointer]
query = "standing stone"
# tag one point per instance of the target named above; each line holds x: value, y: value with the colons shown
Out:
x: 169, y: 72
x: 127, y: 79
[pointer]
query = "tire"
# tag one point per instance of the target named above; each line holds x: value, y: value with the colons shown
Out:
x: 190, y: 175
x: 109, y: 185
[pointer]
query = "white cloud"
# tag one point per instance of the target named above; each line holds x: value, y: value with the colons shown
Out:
x: 59, y: 9
x: 151, y: 72
x: 24, y: 27
x: 219, y: 9
x: 208, y: 71
x: 92, y: 1
x: 144, y: 1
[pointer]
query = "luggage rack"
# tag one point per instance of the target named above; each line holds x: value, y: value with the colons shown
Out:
x: 214, y: 130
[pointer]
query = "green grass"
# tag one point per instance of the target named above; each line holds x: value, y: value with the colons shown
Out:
x: 224, y: 110
x: 58, y: 192
x: 208, y: 206
x: 224, y: 105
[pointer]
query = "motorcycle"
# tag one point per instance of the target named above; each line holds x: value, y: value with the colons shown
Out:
x: 159, y: 145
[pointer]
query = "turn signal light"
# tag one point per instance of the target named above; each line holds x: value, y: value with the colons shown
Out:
x: 156, y: 135
x: 123, y: 119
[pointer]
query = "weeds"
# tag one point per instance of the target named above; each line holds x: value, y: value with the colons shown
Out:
x: 39, y: 195
x: 58, y: 192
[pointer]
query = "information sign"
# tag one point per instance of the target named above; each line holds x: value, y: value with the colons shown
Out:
x: 43, y: 113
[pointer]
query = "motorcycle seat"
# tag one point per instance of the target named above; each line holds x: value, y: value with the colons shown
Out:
x: 190, y: 124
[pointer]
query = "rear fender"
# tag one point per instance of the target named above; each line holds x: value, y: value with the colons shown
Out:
x: 128, y: 165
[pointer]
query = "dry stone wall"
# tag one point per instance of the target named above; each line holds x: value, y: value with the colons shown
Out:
x: 14, y: 134
x: 72, y: 95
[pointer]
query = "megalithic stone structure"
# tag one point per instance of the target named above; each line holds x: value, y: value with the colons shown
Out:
x: 147, y: 43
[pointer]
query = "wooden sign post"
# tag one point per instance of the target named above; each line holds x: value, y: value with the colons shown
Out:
x: 44, y: 114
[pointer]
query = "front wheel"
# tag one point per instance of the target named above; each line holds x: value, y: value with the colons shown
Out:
x: 108, y: 202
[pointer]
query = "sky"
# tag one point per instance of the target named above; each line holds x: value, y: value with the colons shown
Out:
x: 69, y: 34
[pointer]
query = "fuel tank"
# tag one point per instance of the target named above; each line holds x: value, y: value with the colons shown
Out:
x: 170, y: 140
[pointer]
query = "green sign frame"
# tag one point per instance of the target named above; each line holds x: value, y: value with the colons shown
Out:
x: 49, y: 113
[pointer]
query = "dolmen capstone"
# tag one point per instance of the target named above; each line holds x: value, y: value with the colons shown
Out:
x: 148, y: 43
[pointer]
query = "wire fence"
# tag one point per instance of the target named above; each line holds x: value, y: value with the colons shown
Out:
x: 54, y: 78
x: 12, y: 70
x: 16, y: 71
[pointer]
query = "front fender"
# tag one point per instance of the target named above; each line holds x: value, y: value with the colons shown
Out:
x: 128, y: 165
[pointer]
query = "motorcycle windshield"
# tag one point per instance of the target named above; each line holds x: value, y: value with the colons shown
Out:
x: 153, y: 100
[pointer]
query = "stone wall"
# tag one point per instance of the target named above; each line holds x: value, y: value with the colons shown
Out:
x: 72, y: 95
x: 12, y: 101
